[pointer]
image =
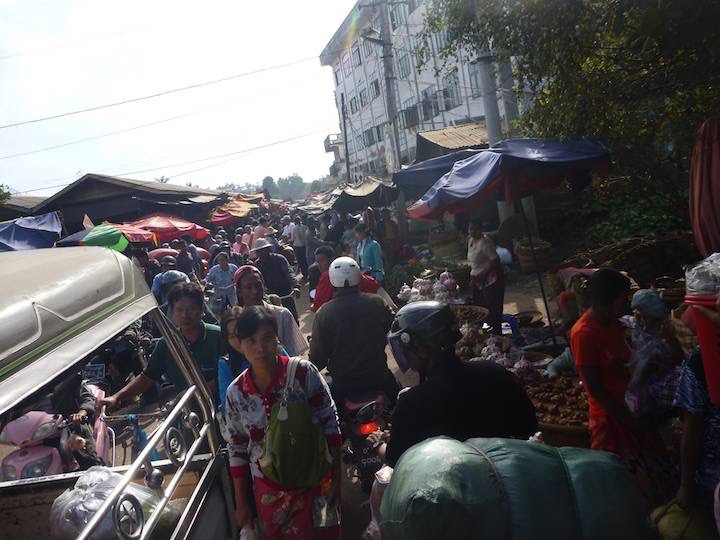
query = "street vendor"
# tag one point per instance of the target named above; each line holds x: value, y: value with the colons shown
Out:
x: 601, y: 354
x: 369, y: 253
x: 486, y: 274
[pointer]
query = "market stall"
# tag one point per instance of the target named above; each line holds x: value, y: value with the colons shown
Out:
x: 513, y: 169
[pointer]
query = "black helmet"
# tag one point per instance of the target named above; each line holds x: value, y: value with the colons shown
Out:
x: 428, y: 324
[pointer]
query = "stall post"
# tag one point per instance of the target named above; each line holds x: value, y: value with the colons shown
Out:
x: 528, y: 231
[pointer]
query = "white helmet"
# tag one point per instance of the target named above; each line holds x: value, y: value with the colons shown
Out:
x: 344, y: 272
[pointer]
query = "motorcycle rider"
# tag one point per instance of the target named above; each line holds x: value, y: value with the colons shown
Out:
x: 349, y: 337
x: 454, y: 398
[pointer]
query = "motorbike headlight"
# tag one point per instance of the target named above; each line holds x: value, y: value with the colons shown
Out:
x: 43, y: 431
x: 9, y: 473
x: 37, y: 468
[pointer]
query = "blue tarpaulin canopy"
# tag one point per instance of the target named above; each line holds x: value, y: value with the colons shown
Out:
x: 30, y: 232
x: 418, y: 178
x: 510, y: 169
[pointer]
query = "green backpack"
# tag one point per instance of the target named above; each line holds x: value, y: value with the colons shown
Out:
x: 295, y: 451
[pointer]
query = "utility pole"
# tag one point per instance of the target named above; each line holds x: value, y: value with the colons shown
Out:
x: 345, y: 136
x: 390, y: 99
x: 389, y: 72
x: 489, y: 94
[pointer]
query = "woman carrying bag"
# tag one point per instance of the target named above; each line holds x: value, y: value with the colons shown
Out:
x: 284, y: 438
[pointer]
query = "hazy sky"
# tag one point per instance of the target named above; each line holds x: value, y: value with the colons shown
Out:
x: 63, y: 55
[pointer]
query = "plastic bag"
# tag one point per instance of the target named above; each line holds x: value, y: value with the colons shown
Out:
x: 674, y: 522
x: 703, y: 279
x: 74, y: 508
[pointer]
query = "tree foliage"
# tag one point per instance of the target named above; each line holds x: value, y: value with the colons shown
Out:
x: 5, y: 192
x: 248, y: 188
x: 269, y: 186
x: 291, y: 188
x: 640, y: 74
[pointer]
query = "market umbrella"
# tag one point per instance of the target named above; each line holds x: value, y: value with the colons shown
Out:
x: 30, y: 232
x: 705, y: 187
x: 109, y: 235
x: 514, y: 168
x: 167, y: 227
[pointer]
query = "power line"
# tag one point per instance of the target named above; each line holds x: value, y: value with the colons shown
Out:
x: 61, y: 45
x: 111, y: 133
x: 168, y: 166
x: 158, y: 94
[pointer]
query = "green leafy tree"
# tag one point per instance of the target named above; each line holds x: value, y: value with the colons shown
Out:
x: 316, y: 185
x: 5, y: 192
x: 163, y: 179
x: 291, y: 188
x: 640, y: 74
x: 248, y: 188
x: 269, y: 186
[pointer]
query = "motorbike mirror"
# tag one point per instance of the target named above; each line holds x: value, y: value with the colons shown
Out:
x: 312, y: 294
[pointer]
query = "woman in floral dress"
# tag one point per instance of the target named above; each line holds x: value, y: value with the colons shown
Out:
x: 282, y: 512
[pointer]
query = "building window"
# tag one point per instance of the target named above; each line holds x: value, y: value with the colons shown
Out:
x: 347, y: 68
x: 474, y: 76
x: 404, y: 67
x: 379, y: 133
x: 357, y: 58
x: 410, y: 115
x: 451, y: 90
x: 412, y: 5
x: 430, y: 103
x: 374, y: 88
x: 441, y: 38
x: 397, y: 16
x: 353, y: 105
x: 338, y: 76
x: 368, y: 45
x: 369, y: 137
x: 364, y: 98
x: 359, y: 143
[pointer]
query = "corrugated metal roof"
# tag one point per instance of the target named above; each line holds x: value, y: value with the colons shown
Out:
x: 147, y: 186
x: 24, y: 201
x: 457, y: 137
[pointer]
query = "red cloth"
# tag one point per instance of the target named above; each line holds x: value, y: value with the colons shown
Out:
x: 597, y: 345
x: 324, y: 291
x: 704, y: 193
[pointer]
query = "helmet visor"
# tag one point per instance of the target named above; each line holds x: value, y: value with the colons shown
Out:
x: 398, y: 351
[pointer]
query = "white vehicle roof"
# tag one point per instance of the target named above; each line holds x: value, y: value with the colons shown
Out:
x: 59, y: 305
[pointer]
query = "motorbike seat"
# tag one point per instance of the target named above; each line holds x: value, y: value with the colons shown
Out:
x: 355, y: 403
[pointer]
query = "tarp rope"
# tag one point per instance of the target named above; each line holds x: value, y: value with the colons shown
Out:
x: 503, y: 492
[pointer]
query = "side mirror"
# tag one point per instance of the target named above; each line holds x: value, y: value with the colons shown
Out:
x: 312, y: 294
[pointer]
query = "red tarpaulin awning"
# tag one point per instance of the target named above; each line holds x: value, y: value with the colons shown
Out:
x: 167, y: 228
x: 705, y: 187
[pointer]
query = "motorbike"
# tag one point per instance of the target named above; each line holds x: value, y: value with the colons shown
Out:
x: 363, y: 415
x: 36, y: 456
x: 118, y: 361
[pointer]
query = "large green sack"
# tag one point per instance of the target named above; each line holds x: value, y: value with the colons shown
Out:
x: 507, y: 489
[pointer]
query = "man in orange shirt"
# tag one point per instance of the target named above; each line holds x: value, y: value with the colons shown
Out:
x: 324, y: 290
x: 601, y: 354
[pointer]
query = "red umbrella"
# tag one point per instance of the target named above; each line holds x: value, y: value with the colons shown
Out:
x: 167, y: 228
x: 705, y: 187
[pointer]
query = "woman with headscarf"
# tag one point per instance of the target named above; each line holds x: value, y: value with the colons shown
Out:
x: 250, y: 288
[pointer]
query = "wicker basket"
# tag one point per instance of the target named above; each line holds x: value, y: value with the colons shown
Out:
x: 471, y: 314
x: 525, y: 255
x: 560, y: 435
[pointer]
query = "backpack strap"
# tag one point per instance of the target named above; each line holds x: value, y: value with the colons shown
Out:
x: 289, y: 379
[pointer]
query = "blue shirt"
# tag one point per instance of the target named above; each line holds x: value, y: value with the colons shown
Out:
x: 369, y: 258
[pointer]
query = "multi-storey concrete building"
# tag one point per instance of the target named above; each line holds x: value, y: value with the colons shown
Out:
x: 438, y: 95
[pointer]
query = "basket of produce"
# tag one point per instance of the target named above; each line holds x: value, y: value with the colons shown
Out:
x: 525, y: 255
x: 469, y: 314
x: 562, y: 410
